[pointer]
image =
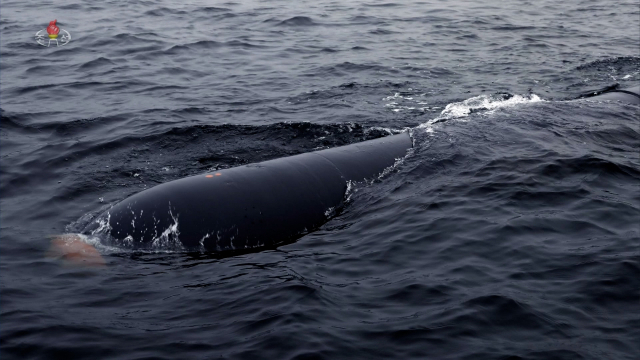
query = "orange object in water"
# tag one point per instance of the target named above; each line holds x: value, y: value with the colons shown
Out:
x: 53, y: 30
x: 74, y: 251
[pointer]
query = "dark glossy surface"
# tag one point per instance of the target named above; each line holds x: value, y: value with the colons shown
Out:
x: 510, y: 232
x: 247, y: 207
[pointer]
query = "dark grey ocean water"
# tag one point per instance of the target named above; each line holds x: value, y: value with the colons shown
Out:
x: 511, y: 232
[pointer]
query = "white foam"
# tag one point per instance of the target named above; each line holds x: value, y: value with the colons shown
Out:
x: 104, y: 225
x: 170, y: 237
x: 389, y: 131
x: 406, y: 102
x: 398, y: 161
x: 481, y: 102
x: 96, y: 242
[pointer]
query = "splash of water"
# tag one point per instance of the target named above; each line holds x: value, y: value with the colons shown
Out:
x: 490, y: 103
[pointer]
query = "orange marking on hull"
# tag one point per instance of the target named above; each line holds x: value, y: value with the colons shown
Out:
x: 218, y: 174
x: 209, y: 176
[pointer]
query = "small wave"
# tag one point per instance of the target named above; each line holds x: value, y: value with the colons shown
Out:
x: 512, y: 28
x: 70, y: 7
x: 96, y: 63
x: 209, y: 44
x: 349, y: 68
x: 522, y: 317
x: 211, y: 9
x: 165, y: 11
x: 365, y: 19
x: 203, y: 44
x: 606, y: 64
x: 384, y: 5
x: 242, y: 44
x: 297, y: 21
x: 381, y: 32
x: 468, y: 36
x: 126, y: 39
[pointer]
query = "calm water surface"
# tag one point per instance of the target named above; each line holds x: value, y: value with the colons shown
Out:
x: 510, y: 232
